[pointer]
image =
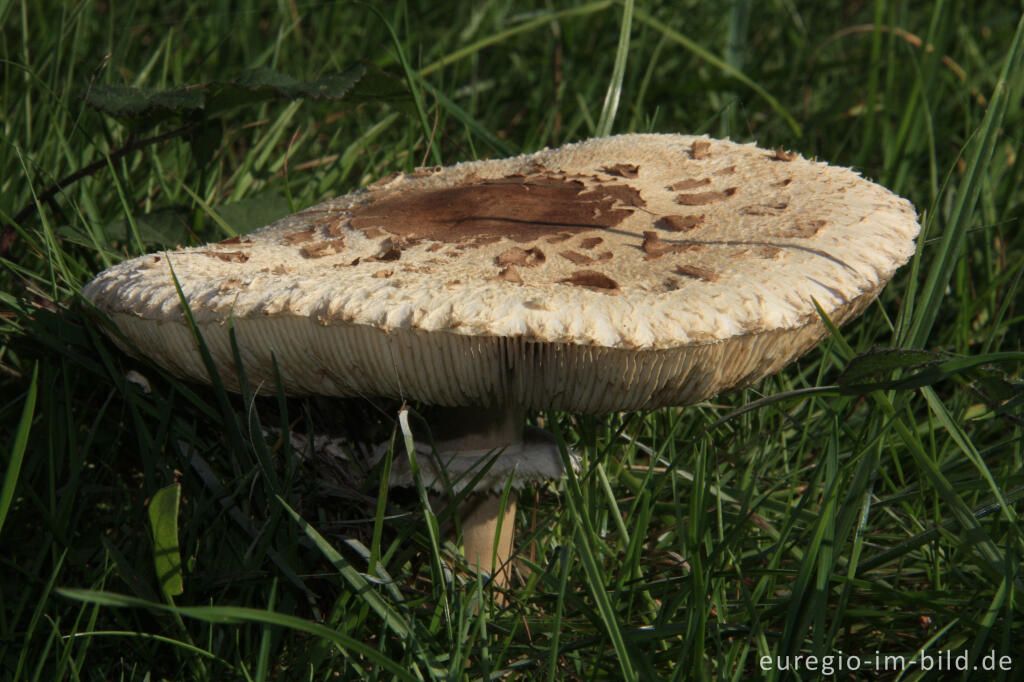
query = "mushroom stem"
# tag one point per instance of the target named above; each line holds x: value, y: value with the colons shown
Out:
x: 489, y: 449
x: 487, y: 534
x: 488, y: 528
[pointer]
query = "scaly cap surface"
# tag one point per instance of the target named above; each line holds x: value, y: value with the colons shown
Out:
x: 616, y: 273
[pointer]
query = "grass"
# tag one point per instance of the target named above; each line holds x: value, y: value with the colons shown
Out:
x: 856, y: 503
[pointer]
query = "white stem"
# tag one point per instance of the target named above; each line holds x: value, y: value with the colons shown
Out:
x: 487, y: 534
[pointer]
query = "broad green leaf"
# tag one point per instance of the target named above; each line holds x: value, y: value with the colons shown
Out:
x: 251, y: 86
x: 871, y: 371
x: 125, y: 101
x: 163, y: 521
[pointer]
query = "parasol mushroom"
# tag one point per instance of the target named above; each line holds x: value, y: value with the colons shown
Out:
x: 615, y: 274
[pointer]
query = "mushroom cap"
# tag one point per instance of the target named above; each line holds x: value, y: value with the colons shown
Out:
x: 618, y: 273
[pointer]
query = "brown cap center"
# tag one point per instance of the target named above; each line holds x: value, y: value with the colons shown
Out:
x: 517, y: 207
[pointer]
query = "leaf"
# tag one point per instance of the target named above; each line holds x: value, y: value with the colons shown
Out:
x: 872, y: 371
x: 163, y: 521
x: 125, y: 101
x: 879, y: 364
x: 251, y: 86
x: 1000, y: 391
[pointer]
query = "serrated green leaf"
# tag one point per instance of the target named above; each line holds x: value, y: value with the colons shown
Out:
x: 879, y: 364
x: 125, y: 101
x: 870, y: 372
x: 251, y: 86
x: 163, y: 522
x: 995, y: 386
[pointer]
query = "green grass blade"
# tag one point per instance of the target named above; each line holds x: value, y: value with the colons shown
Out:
x: 146, y: 636
x: 714, y: 60
x: 611, y: 98
x: 346, y: 645
x: 951, y: 243
x: 540, y: 21
x: 413, y: 81
x: 391, y: 618
x: 584, y: 535
x: 18, y: 448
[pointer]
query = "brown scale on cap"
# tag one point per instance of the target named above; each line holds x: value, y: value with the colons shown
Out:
x: 801, y: 229
x: 590, y: 242
x: 510, y: 274
x: 680, y: 223
x: 237, y: 239
x: 701, y: 198
x: 765, y: 209
x: 299, y: 237
x: 336, y: 228
x: 728, y: 170
x: 517, y: 256
x: 576, y: 257
x: 559, y: 238
x: 228, y: 256
x: 328, y: 247
x: 700, y: 149
x: 781, y: 155
x: 623, y: 170
x: 655, y: 247
x: 592, y: 279
x: 689, y: 183
x: 520, y: 208
x: 697, y: 272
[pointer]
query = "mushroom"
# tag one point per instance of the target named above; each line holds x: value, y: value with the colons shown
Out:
x: 622, y: 273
